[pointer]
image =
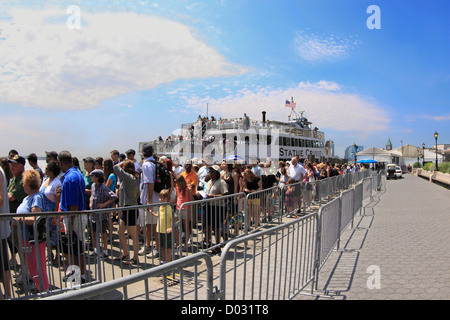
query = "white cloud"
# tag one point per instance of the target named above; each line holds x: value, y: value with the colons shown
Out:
x: 325, y: 104
x: 44, y: 64
x: 445, y: 117
x: 315, y: 48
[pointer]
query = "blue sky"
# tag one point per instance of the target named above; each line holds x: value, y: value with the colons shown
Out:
x: 136, y: 70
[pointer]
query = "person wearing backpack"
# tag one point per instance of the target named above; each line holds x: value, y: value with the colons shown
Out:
x: 148, y: 195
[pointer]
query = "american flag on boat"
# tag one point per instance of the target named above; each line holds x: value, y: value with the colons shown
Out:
x: 290, y: 104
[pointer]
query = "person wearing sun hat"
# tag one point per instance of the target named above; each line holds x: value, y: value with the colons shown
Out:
x: 216, y: 187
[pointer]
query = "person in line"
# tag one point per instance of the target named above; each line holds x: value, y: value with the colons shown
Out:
x: 73, y: 198
x: 308, y: 179
x: 51, y: 156
x: 16, y: 194
x: 32, y: 161
x: 216, y: 215
x: 131, y: 155
x: 89, y: 164
x: 184, y: 194
x: 296, y: 170
x: 147, y: 197
x: 111, y: 184
x: 190, y: 176
x: 33, y: 203
x: 115, y: 156
x: 101, y: 198
x: 98, y: 163
x: 164, y: 226
x: 177, y: 169
x: 48, y: 189
x: 203, y: 172
x: 4, y: 164
x: 5, y: 232
x: 250, y: 184
x: 128, y: 196
x: 231, y: 178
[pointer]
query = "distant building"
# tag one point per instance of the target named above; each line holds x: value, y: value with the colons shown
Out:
x: 329, y: 148
x: 389, y: 145
x: 351, y: 151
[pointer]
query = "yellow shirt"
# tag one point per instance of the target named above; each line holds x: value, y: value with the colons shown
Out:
x: 164, y: 219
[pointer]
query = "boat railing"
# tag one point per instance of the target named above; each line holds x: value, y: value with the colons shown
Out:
x: 202, y: 132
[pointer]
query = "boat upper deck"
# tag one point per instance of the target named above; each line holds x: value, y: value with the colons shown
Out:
x: 298, y: 128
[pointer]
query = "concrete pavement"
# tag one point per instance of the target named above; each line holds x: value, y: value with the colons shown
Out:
x: 399, y: 249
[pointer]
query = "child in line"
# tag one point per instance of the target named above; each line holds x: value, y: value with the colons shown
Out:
x: 101, y: 197
x: 289, y: 198
x: 164, y: 227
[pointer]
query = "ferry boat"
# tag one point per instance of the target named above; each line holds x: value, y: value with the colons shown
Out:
x: 244, y: 139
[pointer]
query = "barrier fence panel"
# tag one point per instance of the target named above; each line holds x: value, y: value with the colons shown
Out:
x: 108, y: 244
x: 358, y: 197
x: 262, y: 208
x: 323, y: 190
x: 347, y: 209
x: 272, y: 264
x: 292, y: 198
x: 329, y: 223
x: 192, y: 283
x: 367, y: 188
x: 197, y: 222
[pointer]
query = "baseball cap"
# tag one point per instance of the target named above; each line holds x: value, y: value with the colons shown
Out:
x: 17, y: 159
x: 97, y: 172
x: 89, y: 159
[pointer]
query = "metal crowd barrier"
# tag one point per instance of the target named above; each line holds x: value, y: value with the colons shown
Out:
x: 197, y: 286
x: 229, y: 218
x: 276, y: 263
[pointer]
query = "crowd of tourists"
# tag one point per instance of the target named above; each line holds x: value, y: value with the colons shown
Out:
x: 121, y: 181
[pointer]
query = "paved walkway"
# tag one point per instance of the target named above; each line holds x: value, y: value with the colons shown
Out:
x: 400, y: 248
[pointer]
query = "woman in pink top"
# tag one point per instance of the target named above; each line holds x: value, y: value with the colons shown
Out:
x: 184, y: 194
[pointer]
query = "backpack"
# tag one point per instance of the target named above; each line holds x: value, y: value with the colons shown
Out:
x: 162, y: 177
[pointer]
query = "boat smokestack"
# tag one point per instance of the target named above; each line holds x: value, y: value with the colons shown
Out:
x: 264, y: 116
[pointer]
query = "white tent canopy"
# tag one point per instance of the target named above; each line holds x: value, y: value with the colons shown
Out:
x: 402, y: 156
x: 376, y: 154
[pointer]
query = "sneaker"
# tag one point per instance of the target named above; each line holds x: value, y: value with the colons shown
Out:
x: 144, y: 250
x: 154, y: 254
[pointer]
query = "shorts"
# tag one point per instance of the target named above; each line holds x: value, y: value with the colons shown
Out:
x: 71, y: 244
x: 183, y: 213
x: 165, y: 240
x: 146, y: 217
x: 254, y: 201
x: 102, y: 226
x: 129, y: 217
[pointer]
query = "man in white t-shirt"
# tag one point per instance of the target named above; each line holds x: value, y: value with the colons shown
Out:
x: 177, y: 169
x: 296, y: 170
x: 147, y: 220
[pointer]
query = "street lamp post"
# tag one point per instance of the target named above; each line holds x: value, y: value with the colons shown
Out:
x: 423, y: 155
x: 436, y: 135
